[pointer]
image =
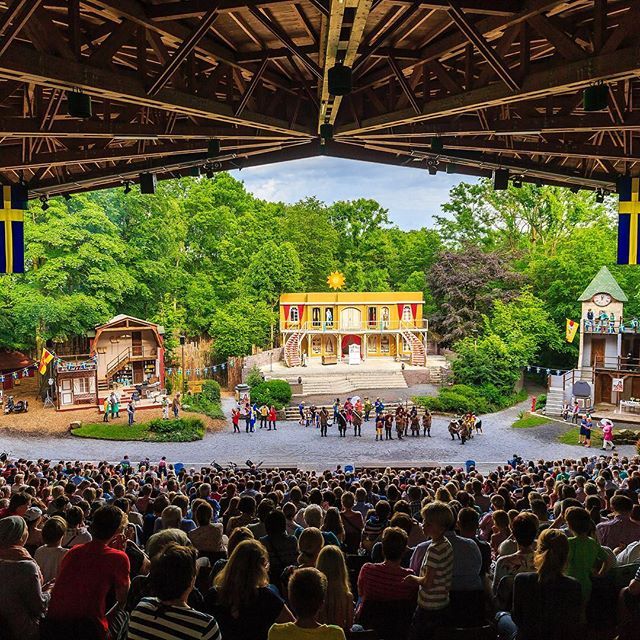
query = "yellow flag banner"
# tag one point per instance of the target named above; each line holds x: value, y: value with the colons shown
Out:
x: 572, y: 329
x: 45, y: 359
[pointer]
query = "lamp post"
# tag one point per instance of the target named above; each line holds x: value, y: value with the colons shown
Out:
x: 184, y: 371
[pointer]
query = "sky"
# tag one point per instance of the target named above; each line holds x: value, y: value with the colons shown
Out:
x: 412, y: 196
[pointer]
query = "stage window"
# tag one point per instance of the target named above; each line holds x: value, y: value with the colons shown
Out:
x: 293, y: 314
x: 407, y: 316
x: 372, y: 316
x: 315, y: 316
x: 384, y: 344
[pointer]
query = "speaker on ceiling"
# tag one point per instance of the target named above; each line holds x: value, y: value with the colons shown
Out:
x: 437, y: 145
x: 500, y: 179
x: 326, y: 131
x: 213, y: 148
x: 148, y: 183
x: 339, y: 80
x: 595, y: 98
x: 78, y: 104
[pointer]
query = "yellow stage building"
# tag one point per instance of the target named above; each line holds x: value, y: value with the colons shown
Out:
x: 352, y: 327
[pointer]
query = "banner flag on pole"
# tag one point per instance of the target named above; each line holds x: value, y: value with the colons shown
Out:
x: 572, y: 329
x: 628, y: 220
x: 45, y: 359
x: 13, y: 202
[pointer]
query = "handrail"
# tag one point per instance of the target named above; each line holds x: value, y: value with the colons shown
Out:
x: 121, y: 357
x: 380, y: 325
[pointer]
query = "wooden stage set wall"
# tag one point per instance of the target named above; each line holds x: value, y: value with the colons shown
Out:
x: 463, y: 86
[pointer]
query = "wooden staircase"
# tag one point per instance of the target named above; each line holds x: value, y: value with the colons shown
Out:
x: 418, y: 353
x: 122, y: 359
x: 292, y: 353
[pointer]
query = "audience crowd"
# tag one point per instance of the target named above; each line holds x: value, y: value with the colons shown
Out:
x: 532, y: 550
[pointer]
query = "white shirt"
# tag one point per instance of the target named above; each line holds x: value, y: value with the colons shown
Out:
x: 49, y: 559
x: 629, y: 555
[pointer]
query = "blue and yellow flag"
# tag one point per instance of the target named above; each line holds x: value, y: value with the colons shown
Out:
x: 13, y: 202
x: 628, y: 222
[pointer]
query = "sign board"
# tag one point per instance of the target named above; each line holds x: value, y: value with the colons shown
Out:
x: 617, y: 384
x: 354, y: 354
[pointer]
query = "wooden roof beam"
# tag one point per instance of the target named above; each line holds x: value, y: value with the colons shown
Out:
x: 477, y: 40
x: 187, y: 46
x: 12, y: 21
x: 560, y: 78
x: 21, y: 62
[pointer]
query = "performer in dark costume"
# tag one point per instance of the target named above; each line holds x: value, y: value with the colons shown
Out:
x: 426, y: 423
x: 342, y: 423
x: 356, y: 420
x: 388, y: 425
x: 324, y: 421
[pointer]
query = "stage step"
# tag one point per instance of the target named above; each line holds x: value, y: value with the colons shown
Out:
x: 555, y: 402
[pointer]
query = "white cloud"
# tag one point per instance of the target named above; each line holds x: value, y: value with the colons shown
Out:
x: 411, y: 195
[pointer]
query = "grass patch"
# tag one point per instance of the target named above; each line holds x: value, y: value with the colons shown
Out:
x: 527, y: 421
x: 571, y: 437
x: 157, y: 430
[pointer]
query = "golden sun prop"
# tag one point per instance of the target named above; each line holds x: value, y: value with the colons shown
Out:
x: 335, y: 280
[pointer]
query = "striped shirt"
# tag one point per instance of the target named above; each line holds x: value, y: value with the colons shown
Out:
x: 439, y: 558
x: 151, y: 620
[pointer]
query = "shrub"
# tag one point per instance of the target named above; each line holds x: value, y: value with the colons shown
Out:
x: 176, y: 430
x: 211, y: 391
x: 272, y: 392
x: 541, y: 401
x: 254, y: 377
x: 461, y: 398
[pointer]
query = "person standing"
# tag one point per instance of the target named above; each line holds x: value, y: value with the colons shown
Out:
x: 272, y: 416
x: 165, y: 408
x: 342, y: 423
x: 379, y: 427
x: 356, y: 421
x: 301, y: 411
x: 105, y: 409
x: 264, y: 412
x: 388, y: 425
x: 246, y: 414
x: 175, y: 405
x: 252, y: 419
x: 235, y: 419
x: 575, y: 413
x: 324, y: 421
x: 426, y: 423
x: 607, y: 434
x: 367, y: 409
x: 115, y: 410
x: 336, y: 410
x: 131, y: 410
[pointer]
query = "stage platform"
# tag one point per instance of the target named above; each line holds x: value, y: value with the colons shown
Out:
x: 341, y: 378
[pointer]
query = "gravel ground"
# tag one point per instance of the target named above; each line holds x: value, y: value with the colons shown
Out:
x: 293, y: 444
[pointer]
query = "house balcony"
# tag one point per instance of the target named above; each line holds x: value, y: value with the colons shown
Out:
x: 617, y: 363
x: 417, y: 326
x: 605, y: 327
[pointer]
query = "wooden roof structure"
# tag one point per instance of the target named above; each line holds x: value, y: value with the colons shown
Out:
x: 463, y: 86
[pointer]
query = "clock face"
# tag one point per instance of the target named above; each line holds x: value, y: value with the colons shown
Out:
x: 602, y: 299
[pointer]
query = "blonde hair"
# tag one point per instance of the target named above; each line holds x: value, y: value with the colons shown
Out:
x: 438, y: 513
x: 245, y: 572
x: 339, y: 599
x: 551, y: 554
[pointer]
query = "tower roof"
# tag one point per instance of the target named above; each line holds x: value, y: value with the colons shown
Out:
x: 604, y: 282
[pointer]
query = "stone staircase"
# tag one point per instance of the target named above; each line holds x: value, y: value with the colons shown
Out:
x: 555, y: 401
x: 348, y: 382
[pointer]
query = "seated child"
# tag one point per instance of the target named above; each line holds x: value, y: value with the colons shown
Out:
x: 307, y: 592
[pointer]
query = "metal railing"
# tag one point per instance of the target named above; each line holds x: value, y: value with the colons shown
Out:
x: 617, y: 363
x: 606, y: 326
x: 336, y: 326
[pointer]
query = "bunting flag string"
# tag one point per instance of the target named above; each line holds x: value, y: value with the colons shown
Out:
x: 547, y: 370
x: 198, y: 372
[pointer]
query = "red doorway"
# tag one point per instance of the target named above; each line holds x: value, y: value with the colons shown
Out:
x: 349, y: 340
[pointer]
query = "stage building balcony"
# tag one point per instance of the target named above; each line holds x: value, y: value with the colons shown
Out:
x: 617, y: 363
x: 605, y: 327
x: 391, y: 326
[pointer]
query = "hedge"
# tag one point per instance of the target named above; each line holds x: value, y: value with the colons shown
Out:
x: 272, y: 392
x: 461, y: 398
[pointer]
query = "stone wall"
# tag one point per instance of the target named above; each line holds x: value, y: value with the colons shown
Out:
x: 260, y: 360
x: 416, y: 376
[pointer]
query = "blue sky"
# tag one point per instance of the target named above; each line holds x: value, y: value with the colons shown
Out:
x: 412, y: 196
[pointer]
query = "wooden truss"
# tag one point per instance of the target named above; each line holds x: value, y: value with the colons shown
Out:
x: 465, y: 86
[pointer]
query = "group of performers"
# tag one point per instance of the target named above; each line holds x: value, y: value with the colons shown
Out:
x: 463, y: 427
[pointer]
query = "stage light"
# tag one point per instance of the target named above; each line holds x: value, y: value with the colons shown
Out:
x: 432, y: 168
x: 599, y: 195
x: 213, y: 148
x: 595, y: 97
x: 78, y: 104
x: 437, y: 145
x: 500, y: 179
x: 127, y: 187
x: 66, y: 196
x: 44, y: 202
x: 574, y: 189
x: 209, y: 172
x: 339, y: 80
x: 194, y: 172
x: 517, y: 182
x: 148, y: 183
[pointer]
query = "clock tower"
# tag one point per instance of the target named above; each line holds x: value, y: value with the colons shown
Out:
x: 602, y: 309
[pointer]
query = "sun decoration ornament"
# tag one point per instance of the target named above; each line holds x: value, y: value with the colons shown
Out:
x: 335, y: 280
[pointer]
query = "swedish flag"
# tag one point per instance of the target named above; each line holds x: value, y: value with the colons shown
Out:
x: 629, y: 221
x: 13, y: 202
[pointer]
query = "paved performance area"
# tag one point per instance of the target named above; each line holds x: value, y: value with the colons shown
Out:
x: 293, y: 444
